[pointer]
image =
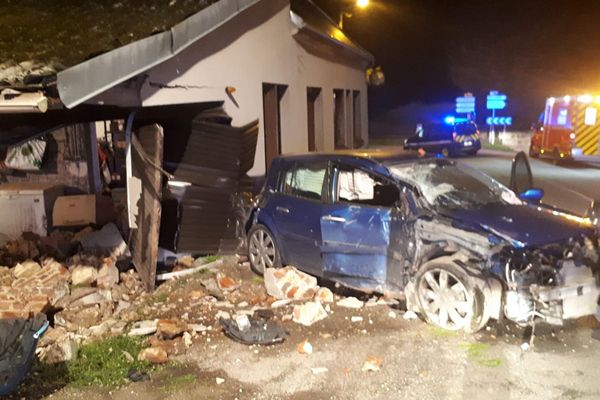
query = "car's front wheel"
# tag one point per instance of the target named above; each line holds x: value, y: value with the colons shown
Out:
x: 262, y: 250
x: 448, y: 298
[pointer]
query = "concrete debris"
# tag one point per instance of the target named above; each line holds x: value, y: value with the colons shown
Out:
x: 410, y: 315
x: 167, y: 329
x: 128, y: 356
x: 219, y: 380
x: 83, y: 275
x: 350, y: 302
x: 280, y: 303
x: 304, y: 347
x: 26, y: 269
x: 199, y: 327
x: 222, y: 315
x: 107, y: 240
x: 392, y: 314
x: 108, y: 275
x: 373, y: 363
x: 187, y: 340
x: 309, y: 313
x: 60, y: 351
x: 143, y: 328
x: 225, y: 283
x: 189, y: 271
x: 289, y: 283
x: 319, y: 370
x: 356, y: 318
x: 324, y: 295
x: 154, y: 355
x: 525, y: 346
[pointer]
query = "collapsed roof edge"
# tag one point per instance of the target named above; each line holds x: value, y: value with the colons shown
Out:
x: 83, y: 81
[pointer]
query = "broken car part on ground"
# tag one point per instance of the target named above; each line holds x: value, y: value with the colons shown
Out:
x: 458, y: 245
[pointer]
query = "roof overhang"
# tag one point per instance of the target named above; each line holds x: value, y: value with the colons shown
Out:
x: 90, y: 78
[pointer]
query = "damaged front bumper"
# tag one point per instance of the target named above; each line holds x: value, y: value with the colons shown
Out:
x: 576, y: 297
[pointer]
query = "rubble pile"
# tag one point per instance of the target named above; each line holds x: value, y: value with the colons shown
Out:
x: 78, y: 287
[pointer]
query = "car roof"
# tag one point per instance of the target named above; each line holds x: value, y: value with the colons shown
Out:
x: 383, y: 156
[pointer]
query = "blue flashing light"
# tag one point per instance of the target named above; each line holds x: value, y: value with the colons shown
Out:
x: 450, y: 120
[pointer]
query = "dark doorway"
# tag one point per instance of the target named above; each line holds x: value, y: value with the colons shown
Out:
x: 313, y: 99
x: 357, y: 120
x: 339, y: 119
x: 272, y: 94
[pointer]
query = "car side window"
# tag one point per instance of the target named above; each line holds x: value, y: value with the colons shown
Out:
x: 305, y: 180
x: 360, y: 187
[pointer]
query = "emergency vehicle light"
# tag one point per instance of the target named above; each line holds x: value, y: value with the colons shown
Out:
x: 551, y: 101
x: 586, y: 98
x: 567, y: 99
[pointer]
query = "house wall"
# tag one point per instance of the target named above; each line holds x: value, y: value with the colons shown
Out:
x: 265, y: 52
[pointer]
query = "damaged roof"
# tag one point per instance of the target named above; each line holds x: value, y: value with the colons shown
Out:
x: 45, y: 37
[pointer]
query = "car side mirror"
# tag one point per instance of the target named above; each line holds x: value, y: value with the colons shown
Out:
x: 521, y: 178
x: 532, y: 195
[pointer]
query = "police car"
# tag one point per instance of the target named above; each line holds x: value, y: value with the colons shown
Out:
x: 450, y: 138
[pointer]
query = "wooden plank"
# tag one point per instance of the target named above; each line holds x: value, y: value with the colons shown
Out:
x: 144, y: 240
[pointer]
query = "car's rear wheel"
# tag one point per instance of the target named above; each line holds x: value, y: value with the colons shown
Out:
x: 448, y: 298
x: 533, y: 152
x: 262, y: 249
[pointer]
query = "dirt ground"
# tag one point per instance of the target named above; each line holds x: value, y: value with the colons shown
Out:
x: 417, y: 361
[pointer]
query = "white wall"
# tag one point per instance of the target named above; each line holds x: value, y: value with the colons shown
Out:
x: 269, y: 54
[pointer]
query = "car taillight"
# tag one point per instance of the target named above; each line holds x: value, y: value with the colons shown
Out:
x: 572, y: 136
x: 453, y: 135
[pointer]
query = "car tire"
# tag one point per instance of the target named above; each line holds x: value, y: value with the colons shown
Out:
x: 448, y: 297
x: 262, y: 249
x: 556, y: 157
x: 532, y: 152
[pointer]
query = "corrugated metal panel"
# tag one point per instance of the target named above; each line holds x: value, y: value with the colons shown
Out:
x: 215, y: 161
x: 90, y: 78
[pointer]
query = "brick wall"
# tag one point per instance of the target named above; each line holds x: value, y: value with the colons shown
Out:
x: 64, y: 161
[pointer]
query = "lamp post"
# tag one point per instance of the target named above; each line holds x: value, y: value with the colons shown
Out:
x: 358, y: 4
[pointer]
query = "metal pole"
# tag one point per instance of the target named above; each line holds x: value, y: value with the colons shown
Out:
x: 341, y: 20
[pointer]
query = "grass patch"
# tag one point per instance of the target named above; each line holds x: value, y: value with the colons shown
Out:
x: 178, y: 383
x: 161, y: 297
x: 440, y: 332
x: 477, y: 352
x: 209, y: 259
x: 496, y: 147
x: 99, y: 363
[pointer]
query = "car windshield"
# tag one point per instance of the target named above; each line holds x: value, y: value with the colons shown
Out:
x: 450, y: 185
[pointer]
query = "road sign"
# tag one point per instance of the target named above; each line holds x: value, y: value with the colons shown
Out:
x: 465, y: 105
x: 496, y: 101
x: 498, y: 120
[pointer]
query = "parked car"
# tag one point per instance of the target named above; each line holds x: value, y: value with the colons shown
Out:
x: 449, y: 138
x: 460, y: 247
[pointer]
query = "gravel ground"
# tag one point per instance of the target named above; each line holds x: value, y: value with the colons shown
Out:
x: 418, y: 361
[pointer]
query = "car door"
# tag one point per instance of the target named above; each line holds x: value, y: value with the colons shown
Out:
x: 297, y: 214
x: 361, y: 228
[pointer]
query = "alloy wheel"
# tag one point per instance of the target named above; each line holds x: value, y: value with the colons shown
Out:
x: 261, y: 250
x: 445, y: 299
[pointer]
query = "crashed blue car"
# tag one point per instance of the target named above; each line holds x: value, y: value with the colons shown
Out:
x: 457, y: 245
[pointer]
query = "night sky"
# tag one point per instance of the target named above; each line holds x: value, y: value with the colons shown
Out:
x: 434, y: 50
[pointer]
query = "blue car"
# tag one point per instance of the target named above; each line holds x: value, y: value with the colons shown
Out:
x: 457, y: 245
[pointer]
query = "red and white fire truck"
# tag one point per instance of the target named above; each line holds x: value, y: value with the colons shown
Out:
x: 569, y: 128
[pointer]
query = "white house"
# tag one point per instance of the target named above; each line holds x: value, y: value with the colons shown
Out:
x: 283, y: 62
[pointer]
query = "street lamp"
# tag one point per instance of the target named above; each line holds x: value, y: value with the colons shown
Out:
x: 360, y: 4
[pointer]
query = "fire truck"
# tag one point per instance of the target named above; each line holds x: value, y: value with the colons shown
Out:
x: 569, y: 128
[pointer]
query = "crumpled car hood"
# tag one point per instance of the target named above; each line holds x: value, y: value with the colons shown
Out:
x: 525, y: 225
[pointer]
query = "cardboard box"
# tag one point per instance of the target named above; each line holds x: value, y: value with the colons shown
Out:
x: 74, y: 210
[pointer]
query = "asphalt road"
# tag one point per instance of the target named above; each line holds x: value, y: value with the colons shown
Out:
x: 570, y: 186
